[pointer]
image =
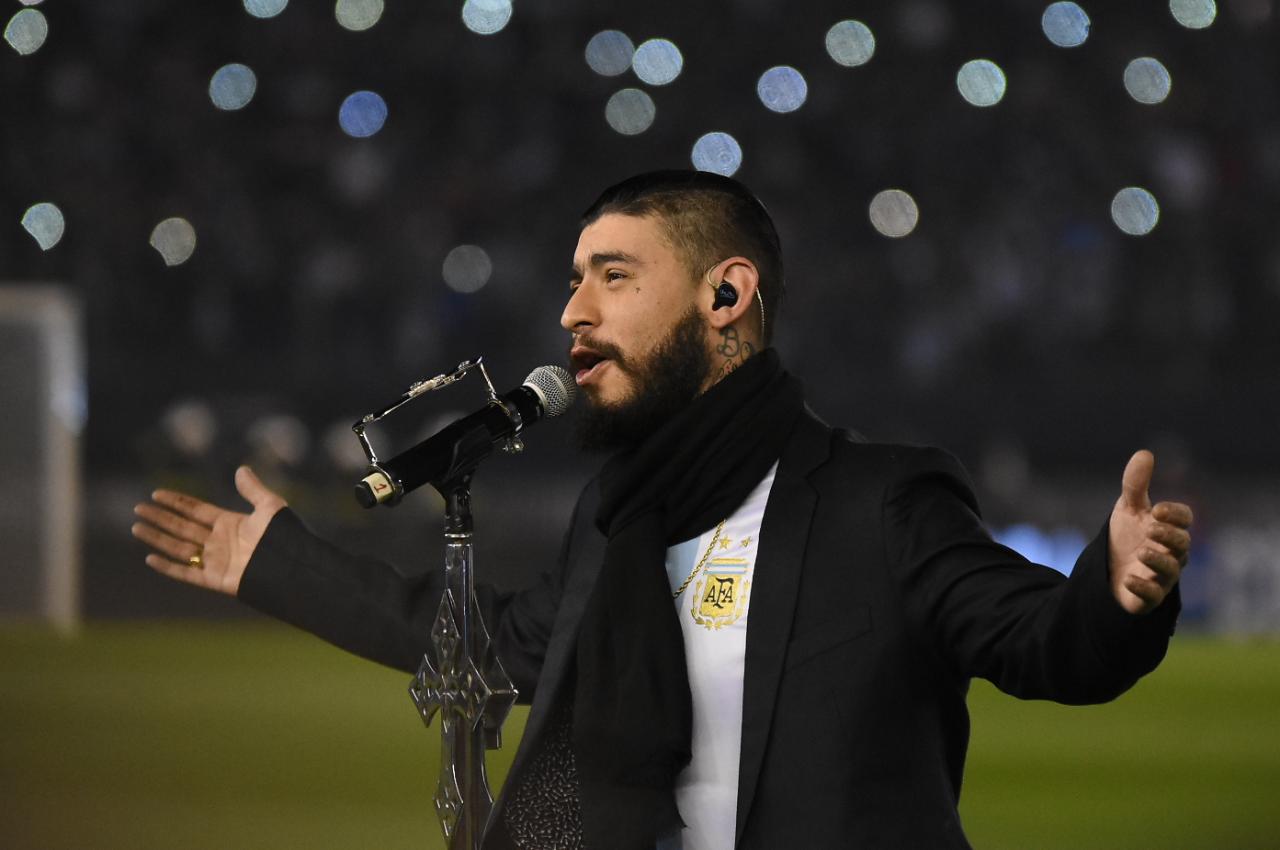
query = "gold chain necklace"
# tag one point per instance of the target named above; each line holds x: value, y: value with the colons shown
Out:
x: 707, y: 554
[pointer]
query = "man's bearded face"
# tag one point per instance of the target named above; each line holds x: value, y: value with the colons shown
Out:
x: 641, y: 349
x: 663, y: 382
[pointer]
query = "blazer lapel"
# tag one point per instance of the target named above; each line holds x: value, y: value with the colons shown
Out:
x: 784, y: 533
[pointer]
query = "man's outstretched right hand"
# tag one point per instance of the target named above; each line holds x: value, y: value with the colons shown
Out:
x: 203, y: 544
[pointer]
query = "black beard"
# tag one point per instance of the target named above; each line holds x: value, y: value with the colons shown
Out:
x: 665, y: 382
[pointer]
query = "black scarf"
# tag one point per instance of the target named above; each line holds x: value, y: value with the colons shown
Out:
x: 632, y: 706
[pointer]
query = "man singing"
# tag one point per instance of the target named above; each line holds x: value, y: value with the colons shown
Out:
x: 761, y: 630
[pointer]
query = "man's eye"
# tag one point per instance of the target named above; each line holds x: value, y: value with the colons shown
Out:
x: 614, y: 275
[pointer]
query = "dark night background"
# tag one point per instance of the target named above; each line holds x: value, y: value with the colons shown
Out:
x: 1017, y: 325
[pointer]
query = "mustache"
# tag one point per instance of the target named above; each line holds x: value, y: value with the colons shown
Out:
x: 605, y: 349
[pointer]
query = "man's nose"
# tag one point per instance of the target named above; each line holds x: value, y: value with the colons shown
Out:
x: 580, y: 312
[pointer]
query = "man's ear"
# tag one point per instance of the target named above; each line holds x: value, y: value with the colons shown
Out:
x: 740, y: 274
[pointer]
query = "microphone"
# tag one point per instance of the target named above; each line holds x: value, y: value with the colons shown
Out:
x: 459, y: 447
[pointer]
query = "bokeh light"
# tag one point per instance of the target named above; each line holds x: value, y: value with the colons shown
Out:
x: 894, y: 213
x: 362, y: 114
x: 232, y: 86
x: 981, y: 82
x: 609, y: 53
x: 175, y: 239
x: 1147, y: 80
x: 1065, y: 24
x: 343, y: 450
x: 630, y: 111
x: 717, y: 152
x: 279, y: 438
x: 265, y: 8
x: 782, y: 89
x: 486, y: 17
x: 851, y: 43
x: 358, y: 15
x: 657, y: 61
x: 45, y: 223
x: 360, y: 172
x: 466, y: 269
x: 1135, y: 211
x: 923, y: 24
x: 27, y: 31
x: 191, y: 427
x: 1194, y: 14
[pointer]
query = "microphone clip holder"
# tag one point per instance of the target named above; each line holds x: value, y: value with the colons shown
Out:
x: 465, y: 462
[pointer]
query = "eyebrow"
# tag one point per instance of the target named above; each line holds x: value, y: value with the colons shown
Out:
x: 602, y: 258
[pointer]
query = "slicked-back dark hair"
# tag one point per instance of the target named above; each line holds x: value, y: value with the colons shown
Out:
x: 707, y: 218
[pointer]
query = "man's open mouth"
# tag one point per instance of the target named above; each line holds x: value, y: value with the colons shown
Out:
x: 586, y: 363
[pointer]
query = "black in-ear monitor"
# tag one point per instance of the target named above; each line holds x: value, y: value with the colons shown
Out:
x: 726, y: 296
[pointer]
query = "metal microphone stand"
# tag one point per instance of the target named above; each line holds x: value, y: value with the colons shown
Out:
x: 460, y: 678
x: 463, y: 682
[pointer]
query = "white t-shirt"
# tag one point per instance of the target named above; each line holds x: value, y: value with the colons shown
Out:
x: 713, y: 616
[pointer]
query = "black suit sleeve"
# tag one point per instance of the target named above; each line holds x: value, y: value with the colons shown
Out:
x: 991, y: 613
x: 367, y: 607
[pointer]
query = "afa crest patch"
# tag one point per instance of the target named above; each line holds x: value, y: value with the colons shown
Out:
x: 720, y: 596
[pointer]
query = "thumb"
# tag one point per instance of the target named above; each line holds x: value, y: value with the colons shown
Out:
x: 1137, y: 481
x: 254, y: 491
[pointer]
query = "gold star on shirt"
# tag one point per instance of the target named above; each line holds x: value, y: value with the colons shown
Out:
x: 746, y: 541
x: 724, y: 543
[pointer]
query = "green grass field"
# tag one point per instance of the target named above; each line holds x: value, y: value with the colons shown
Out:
x: 228, y: 736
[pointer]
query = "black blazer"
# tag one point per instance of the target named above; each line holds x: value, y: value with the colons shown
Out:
x: 877, y: 595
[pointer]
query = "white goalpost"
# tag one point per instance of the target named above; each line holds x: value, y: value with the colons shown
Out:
x: 42, y: 408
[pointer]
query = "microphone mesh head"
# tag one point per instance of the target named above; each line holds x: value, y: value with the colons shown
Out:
x: 555, y: 386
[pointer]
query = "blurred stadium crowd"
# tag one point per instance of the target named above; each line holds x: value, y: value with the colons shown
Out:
x: 1015, y: 324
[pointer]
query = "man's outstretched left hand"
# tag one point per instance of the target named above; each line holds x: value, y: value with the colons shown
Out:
x: 1148, y: 544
